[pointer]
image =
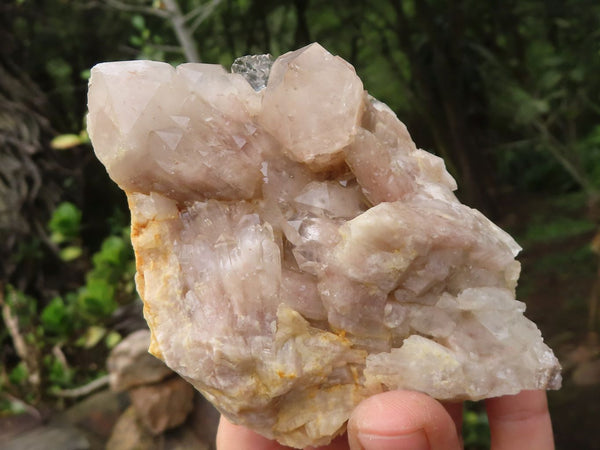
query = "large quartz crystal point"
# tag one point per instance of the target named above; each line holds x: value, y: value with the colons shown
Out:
x: 297, y: 253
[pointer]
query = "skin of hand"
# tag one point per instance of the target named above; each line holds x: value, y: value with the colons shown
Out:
x: 399, y: 420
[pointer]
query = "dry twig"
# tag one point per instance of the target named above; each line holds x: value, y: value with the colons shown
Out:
x: 26, y: 352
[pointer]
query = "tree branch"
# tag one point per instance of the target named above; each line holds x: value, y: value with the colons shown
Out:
x: 124, y: 6
x: 184, y: 34
x: 556, y: 149
x: 201, y: 13
x: 83, y: 390
x: 172, y: 12
x: 26, y: 353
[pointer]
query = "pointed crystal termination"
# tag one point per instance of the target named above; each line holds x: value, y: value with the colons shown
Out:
x: 297, y: 253
x: 254, y: 68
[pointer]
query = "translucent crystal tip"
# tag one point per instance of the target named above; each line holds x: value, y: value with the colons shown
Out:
x: 254, y: 68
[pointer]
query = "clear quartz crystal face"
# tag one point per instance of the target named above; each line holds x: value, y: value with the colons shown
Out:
x: 254, y: 68
x: 297, y: 253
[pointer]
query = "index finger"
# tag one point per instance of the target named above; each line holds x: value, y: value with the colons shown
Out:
x: 520, y: 422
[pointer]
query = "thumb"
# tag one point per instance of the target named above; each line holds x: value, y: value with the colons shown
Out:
x: 399, y: 420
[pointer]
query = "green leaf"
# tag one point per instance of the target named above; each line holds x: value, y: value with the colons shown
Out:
x: 96, y: 298
x: 57, y: 237
x: 92, y: 336
x: 58, y: 374
x: 136, y: 40
x: 112, y: 339
x: 550, y: 79
x: 70, y: 253
x: 84, y: 137
x: 55, y: 317
x: 243, y: 5
x: 59, y: 69
x: 65, y: 141
x: 138, y: 22
x: 19, y: 374
x: 577, y: 74
x: 65, y: 222
x: 529, y: 108
x: 111, y: 252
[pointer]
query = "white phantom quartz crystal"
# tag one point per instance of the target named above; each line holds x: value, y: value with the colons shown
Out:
x: 297, y: 253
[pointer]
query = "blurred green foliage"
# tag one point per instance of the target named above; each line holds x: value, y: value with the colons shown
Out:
x: 543, y: 230
x: 476, y: 429
x: 74, y: 319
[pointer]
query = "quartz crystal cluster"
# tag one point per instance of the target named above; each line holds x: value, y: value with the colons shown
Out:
x: 297, y: 253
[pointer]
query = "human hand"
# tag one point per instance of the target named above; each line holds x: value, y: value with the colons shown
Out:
x: 399, y: 420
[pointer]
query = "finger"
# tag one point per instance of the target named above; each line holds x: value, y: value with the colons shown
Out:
x: 230, y: 437
x: 339, y: 443
x: 520, y: 421
x: 401, y: 420
x: 236, y: 437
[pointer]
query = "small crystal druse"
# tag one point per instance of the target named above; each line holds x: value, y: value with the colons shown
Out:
x: 297, y: 253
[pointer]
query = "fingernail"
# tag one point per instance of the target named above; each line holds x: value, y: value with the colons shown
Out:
x: 412, y: 441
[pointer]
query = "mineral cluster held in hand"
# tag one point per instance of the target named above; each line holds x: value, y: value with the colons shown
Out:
x: 297, y: 253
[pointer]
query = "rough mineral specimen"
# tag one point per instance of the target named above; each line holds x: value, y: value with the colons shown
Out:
x: 296, y: 251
